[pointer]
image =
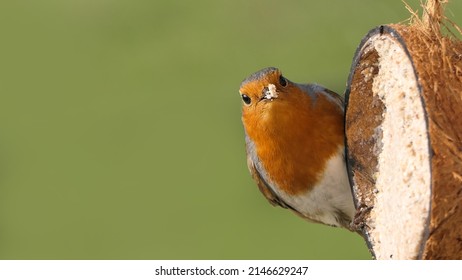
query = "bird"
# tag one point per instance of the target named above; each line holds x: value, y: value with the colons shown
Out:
x: 294, y: 138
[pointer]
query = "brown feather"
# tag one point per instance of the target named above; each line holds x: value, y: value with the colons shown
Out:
x: 264, y: 188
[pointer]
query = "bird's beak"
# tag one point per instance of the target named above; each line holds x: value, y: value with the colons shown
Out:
x: 270, y: 92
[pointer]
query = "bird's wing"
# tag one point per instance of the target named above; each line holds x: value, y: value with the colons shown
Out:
x: 314, y: 89
x: 339, y: 100
x: 262, y: 183
x: 263, y: 186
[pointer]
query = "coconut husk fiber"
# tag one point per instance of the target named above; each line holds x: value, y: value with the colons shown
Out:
x: 403, y: 127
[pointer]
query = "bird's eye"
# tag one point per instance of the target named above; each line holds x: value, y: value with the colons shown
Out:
x: 246, y: 99
x: 282, y: 81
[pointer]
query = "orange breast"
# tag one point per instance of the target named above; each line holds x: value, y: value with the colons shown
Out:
x: 294, y: 138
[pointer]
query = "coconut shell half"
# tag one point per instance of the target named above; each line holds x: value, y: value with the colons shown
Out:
x: 403, y: 127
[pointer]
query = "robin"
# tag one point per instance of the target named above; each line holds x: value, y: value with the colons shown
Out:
x: 294, y: 136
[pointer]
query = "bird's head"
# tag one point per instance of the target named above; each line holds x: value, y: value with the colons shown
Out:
x: 262, y: 88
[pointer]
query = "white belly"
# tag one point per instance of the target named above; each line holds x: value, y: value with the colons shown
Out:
x: 331, y: 195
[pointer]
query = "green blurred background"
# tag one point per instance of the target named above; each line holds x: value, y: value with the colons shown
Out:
x: 120, y: 132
